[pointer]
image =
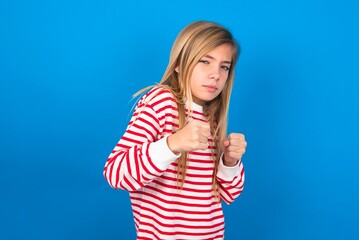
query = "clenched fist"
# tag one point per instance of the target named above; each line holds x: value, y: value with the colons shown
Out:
x: 193, y: 136
x: 233, y: 148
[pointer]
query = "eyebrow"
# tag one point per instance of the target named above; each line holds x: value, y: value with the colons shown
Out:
x: 209, y: 56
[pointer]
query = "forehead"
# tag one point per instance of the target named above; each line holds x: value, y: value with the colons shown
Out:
x: 222, y: 52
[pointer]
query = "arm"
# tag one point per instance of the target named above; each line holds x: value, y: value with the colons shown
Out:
x: 139, y: 157
x: 231, y: 181
x: 230, y: 173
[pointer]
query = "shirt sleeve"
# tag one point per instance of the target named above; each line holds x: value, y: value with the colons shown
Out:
x: 142, y: 153
x: 231, y: 180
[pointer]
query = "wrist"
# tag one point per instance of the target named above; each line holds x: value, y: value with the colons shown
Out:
x: 230, y: 163
x: 172, y: 144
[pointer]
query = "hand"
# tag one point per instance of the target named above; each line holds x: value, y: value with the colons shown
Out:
x: 193, y: 136
x: 233, y: 148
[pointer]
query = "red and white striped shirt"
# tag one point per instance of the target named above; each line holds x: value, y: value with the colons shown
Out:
x: 143, y: 164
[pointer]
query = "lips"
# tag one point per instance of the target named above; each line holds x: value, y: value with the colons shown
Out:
x: 210, y: 88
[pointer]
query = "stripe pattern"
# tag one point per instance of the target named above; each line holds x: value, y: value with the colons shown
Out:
x: 161, y: 210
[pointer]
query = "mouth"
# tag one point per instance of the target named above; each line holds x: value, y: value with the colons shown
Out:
x: 210, y: 88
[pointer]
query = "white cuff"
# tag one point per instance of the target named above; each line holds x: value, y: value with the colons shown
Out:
x: 226, y: 172
x: 161, y: 154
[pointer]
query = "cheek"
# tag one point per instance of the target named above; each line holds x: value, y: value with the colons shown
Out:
x: 224, y: 76
x: 223, y: 82
x: 223, y: 85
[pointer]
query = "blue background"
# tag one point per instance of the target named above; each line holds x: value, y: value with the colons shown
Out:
x: 68, y: 70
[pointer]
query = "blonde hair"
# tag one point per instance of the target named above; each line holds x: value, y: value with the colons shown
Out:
x: 191, y: 44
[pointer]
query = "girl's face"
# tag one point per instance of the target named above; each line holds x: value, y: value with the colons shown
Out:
x: 210, y: 74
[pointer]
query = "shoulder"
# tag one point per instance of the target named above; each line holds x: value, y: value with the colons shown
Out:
x: 158, y: 97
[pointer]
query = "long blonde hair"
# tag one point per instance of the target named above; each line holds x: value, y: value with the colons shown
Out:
x: 191, y: 44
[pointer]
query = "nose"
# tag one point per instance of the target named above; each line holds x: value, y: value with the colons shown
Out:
x: 214, y: 74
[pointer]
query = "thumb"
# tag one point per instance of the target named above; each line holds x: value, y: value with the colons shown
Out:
x: 226, y: 142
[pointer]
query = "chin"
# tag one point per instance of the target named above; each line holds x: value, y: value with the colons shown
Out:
x: 211, y: 99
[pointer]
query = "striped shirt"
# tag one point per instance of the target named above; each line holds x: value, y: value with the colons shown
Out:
x: 142, y: 163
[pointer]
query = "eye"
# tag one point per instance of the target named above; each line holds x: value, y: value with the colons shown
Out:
x: 204, y: 61
x: 226, y: 68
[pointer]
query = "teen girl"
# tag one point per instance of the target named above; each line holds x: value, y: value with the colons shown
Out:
x: 175, y: 158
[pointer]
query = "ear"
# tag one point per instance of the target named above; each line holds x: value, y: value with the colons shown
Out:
x: 177, y: 69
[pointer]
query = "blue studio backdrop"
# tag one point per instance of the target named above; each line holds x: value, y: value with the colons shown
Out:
x: 68, y: 70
